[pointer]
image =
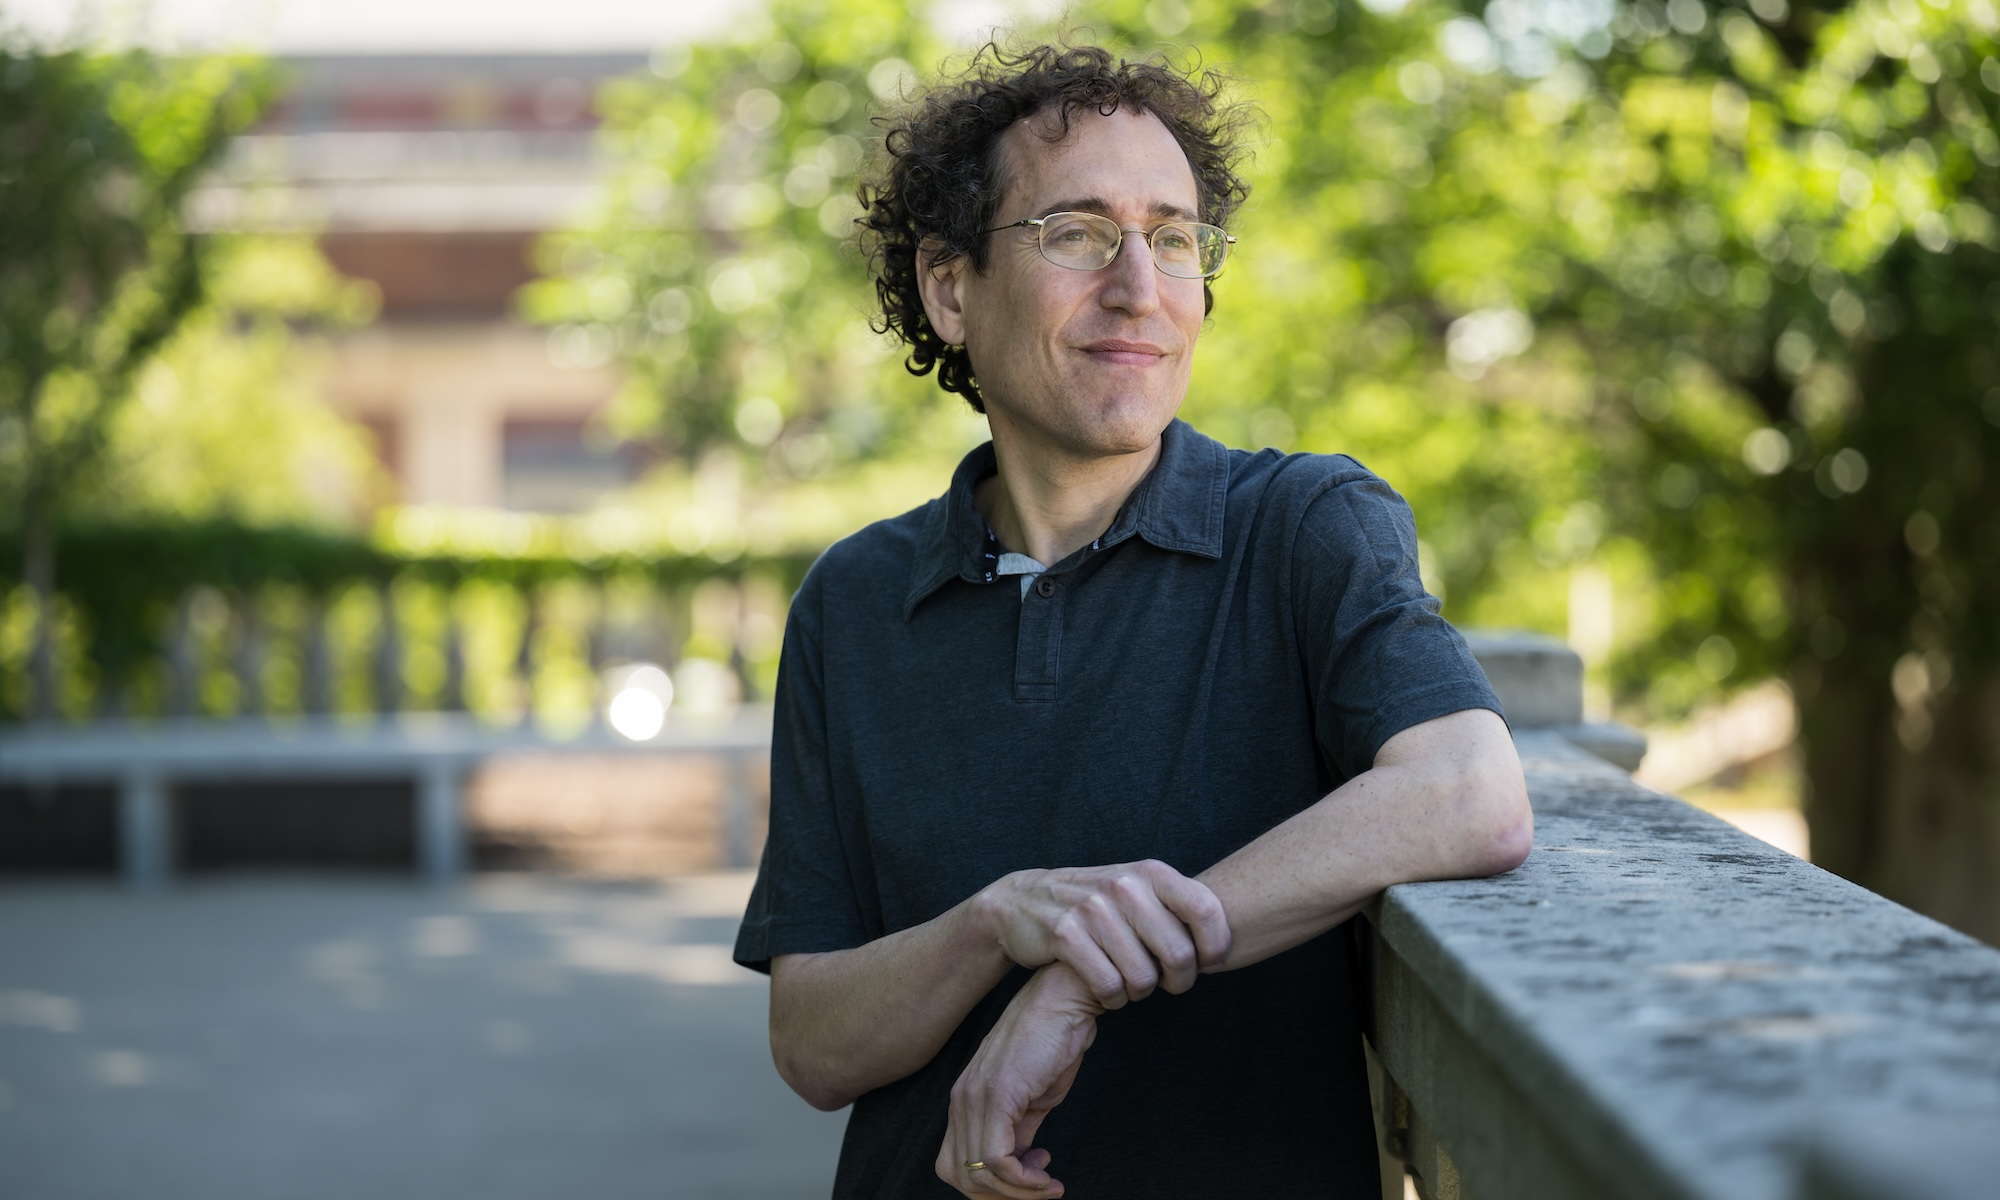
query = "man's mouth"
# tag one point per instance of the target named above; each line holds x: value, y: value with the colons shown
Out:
x: 1119, y: 352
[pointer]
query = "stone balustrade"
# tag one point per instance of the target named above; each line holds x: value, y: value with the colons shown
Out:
x: 1656, y: 1006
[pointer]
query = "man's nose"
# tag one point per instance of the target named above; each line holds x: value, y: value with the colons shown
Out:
x: 1133, y: 284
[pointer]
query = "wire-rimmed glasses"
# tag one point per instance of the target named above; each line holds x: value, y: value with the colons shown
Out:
x: 1090, y: 242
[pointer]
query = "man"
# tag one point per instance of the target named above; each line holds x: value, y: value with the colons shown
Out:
x: 1121, y: 708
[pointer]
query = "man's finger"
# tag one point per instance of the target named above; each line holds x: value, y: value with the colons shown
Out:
x: 981, y: 1130
x: 1077, y: 944
x: 1168, y: 944
x: 993, y: 1143
x: 1113, y: 925
x: 1200, y: 912
x: 1008, y: 1175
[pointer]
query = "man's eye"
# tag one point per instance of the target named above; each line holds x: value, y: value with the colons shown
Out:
x: 1173, y: 239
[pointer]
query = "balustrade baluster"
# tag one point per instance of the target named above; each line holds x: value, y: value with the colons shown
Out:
x: 600, y: 647
x: 524, y: 657
x: 182, y: 670
x: 388, y: 664
x: 42, y: 658
x: 452, y: 698
x: 249, y: 658
x: 112, y: 694
x: 318, y: 659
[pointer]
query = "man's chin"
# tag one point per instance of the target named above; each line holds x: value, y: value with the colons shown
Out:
x: 1123, y: 433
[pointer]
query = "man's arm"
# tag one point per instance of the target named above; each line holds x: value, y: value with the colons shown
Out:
x: 1444, y: 800
x: 845, y: 1022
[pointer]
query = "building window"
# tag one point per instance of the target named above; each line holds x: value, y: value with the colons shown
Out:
x: 562, y: 466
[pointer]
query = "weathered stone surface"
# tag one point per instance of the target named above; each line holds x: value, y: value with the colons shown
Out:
x: 1620, y: 745
x: 1538, y: 679
x: 1932, y: 1158
x: 1677, y: 1003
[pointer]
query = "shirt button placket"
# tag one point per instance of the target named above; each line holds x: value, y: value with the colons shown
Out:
x: 1038, y: 650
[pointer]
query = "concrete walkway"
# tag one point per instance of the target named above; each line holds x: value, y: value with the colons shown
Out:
x: 346, y: 1037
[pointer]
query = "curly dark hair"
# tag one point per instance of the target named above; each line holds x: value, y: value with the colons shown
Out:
x: 942, y: 177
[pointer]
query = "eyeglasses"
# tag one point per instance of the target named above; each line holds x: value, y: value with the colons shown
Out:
x: 1089, y: 242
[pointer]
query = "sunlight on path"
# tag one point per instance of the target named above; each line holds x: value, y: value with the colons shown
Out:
x: 334, y: 1037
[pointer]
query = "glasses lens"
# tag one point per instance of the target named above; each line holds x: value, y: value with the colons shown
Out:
x: 1080, y: 241
x: 1189, y: 250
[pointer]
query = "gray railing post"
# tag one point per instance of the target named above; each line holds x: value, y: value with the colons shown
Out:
x: 524, y: 657
x: 388, y: 663
x: 145, y: 829
x: 1540, y: 683
x: 183, y: 673
x: 317, y: 653
x: 452, y: 698
x: 249, y: 657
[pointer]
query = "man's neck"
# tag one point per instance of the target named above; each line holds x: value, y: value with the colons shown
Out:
x: 1048, y: 505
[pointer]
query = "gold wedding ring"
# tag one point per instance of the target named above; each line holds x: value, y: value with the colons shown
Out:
x: 979, y: 1165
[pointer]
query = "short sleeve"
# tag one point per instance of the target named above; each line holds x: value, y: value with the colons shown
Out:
x: 803, y: 901
x: 1379, y: 658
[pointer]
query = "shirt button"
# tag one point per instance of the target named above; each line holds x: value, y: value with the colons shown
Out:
x: 1045, y: 586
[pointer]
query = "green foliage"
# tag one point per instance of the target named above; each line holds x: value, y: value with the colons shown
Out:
x: 1699, y: 298
x: 722, y: 269
x: 226, y: 420
x: 97, y: 153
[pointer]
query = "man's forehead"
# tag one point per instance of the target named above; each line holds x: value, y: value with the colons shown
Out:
x: 1125, y: 157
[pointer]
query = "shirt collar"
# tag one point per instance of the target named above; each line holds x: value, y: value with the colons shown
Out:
x: 1178, y: 506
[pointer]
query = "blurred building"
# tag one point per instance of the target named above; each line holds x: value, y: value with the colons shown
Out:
x: 433, y: 176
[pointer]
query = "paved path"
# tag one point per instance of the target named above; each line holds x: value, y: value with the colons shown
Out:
x: 342, y: 1038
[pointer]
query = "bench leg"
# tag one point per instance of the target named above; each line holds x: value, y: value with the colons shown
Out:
x: 440, y: 824
x: 145, y: 831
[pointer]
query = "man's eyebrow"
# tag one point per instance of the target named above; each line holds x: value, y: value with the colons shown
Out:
x: 1097, y: 204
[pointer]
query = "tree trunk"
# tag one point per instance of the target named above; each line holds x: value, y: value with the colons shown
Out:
x: 1906, y: 802
x: 1941, y: 824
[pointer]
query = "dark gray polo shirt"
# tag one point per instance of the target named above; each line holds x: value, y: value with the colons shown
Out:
x: 1241, y: 641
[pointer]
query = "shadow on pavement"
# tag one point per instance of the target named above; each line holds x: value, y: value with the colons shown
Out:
x: 306, y: 1037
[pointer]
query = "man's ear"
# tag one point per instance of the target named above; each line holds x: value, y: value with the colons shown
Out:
x: 939, y: 284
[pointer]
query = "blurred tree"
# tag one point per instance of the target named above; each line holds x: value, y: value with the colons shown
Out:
x: 227, y: 421
x: 1726, y: 281
x: 97, y: 152
x: 722, y: 267
x: 1705, y: 298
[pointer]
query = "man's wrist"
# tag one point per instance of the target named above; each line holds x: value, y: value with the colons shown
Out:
x: 984, y: 924
x: 1057, y: 988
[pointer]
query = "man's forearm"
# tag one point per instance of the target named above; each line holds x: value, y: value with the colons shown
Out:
x: 1445, y: 800
x: 847, y: 1021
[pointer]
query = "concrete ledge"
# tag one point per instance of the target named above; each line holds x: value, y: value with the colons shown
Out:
x: 1656, y: 1005
x: 1540, y: 684
x: 435, y: 750
x: 1539, y: 680
x: 1935, y: 1157
x: 1620, y: 745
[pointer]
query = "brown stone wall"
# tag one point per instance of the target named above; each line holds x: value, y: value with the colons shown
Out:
x: 436, y: 274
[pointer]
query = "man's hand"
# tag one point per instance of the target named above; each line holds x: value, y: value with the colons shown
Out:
x: 1021, y: 1071
x: 1123, y: 929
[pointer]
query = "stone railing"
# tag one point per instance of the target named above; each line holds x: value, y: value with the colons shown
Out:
x: 225, y: 622
x: 1659, y: 1006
